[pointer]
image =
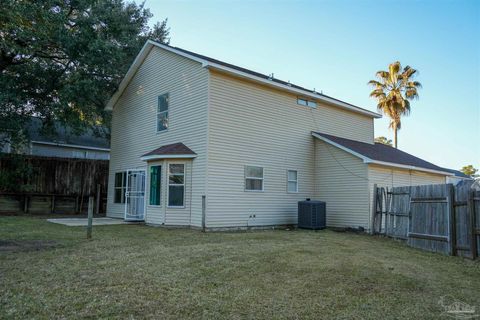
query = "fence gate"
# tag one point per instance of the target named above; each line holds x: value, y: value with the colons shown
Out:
x: 439, y: 218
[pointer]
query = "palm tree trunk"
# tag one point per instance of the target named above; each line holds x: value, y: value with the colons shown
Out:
x: 395, y: 141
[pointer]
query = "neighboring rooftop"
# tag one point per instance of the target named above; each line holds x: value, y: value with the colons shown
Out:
x: 65, y: 135
x: 379, y: 152
x: 457, y: 173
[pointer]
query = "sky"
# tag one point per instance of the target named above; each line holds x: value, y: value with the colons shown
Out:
x: 337, y: 46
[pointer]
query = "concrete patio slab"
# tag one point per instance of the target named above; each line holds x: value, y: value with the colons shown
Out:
x: 82, y: 222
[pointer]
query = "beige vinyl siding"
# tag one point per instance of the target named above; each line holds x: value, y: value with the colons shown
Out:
x: 385, y: 176
x: 342, y: 182
x: 134, y: 127
x: 251, y: 124
x: 173, y: 216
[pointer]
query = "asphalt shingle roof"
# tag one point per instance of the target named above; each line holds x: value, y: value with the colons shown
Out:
x: 170, y: 149
x: 260, y: 75
x: 64, y: 135
x: 382, y: 152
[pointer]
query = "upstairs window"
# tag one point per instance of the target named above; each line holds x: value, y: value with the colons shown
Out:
x: 307, y: 103
x: 162, y: 112
x: 120, y: 187
x: 253, y: 178
x: 292, y: 181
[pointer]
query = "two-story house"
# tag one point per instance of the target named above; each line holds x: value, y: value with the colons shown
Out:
x: 202, y: 143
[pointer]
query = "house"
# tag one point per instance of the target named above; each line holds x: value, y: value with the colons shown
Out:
x: 202, y: 143
x: 63, y: 143
x: 458, y: 177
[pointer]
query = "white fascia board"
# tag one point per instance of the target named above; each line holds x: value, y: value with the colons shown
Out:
x: 168, y: 156
x: 356, y: 154
x: 71, y: 146
x: 147, y: 47
x: 382, y: 163
x: 408, y: 167
x: 207, y: 64
x: 267, y: 82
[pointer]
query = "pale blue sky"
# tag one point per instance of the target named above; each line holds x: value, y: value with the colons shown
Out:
x: 337, y: 46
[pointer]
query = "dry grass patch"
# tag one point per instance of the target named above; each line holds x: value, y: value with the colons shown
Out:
x: 134, y: 271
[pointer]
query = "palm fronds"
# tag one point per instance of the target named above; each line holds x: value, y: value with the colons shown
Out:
x: 393, y: 90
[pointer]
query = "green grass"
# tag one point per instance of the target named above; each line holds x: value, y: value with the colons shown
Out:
x: 135, y: 271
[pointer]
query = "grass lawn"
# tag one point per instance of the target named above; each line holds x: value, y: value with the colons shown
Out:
x: 136, y: 271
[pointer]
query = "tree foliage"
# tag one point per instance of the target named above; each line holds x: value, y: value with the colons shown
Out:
x: 62, y: 59
x: 384, y: 140
x: 470, y: 171
x: 394, y: 90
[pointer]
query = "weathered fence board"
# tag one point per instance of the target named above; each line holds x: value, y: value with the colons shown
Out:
x: 55, y: 185
x: 438, y: 218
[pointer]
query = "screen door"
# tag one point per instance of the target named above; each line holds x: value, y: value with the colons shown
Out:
x: 135, y: 196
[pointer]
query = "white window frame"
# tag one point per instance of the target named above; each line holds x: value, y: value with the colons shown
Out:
x: 306, y: 102
x: 123, y: 186
x: 176, y: 184
x: 253, y: 178
x: 163, y: 112
x: 296, y: 181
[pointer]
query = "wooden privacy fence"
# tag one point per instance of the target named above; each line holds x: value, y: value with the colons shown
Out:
x: 52, y: 185
x: 438, y: 218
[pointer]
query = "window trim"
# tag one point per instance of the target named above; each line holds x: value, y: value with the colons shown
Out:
x: 162, y: 112
x: 150, y: 185
x: 307, y: 102
x: 122, y: 187
x: 176, y: 184
x: 296, y: 181
x: 245, y: 177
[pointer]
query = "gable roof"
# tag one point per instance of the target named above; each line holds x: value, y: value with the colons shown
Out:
x: 378, y: 153
x: 175, y: 150
x: 208, y: 62
x: 63, y: 135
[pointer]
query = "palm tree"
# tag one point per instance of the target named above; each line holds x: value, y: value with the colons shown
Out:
x: 393, y: 90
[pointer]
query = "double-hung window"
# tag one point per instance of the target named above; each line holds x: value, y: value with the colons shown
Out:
x: 176, y: 184
x: 162, y: 112
x: 120, y: 187
x: 155, y: 185
x: 253, y: 178
x: 292, y: 181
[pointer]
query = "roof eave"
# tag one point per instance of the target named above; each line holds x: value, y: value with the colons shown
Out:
x: 205, y: 63
x: 288, y: 88
x: 167, y: 156
x: 409, y: 167
x: 383, y: 163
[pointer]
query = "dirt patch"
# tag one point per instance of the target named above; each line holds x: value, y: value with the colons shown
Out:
x: 26, y: 245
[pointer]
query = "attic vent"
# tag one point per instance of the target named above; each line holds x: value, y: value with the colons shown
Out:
x: 307, y: 103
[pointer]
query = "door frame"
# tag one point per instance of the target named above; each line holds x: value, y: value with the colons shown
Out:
x: 144, y: 195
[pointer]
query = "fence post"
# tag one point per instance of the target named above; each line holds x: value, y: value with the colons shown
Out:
x: 97, y: 206
x: 90, y: 217
x: 374, y: 210
x: 203, y: 213
x: 473, y: 231
x: 452, y: 221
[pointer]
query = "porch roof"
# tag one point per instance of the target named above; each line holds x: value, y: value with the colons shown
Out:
x: 378, y: 153
x: 169, y: 151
